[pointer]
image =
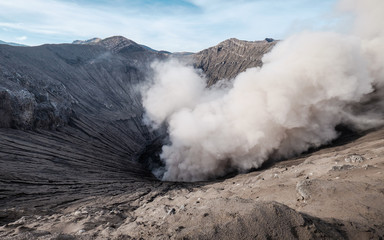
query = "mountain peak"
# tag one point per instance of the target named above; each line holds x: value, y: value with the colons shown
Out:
x: 89, y: 41
x: 115, y: 43
x: 230, y: 57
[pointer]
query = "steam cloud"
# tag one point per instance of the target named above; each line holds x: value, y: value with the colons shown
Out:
x: 309, y: 83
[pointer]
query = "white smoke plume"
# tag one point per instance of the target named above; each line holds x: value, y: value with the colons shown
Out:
x: 309, y: 83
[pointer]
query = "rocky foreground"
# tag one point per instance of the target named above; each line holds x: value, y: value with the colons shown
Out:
x: 334, y: 193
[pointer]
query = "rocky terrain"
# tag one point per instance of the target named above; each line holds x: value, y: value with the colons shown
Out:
x: 70, y: 114
x: 334, y: 193
x: 230, y: 57
x: 74, y: 158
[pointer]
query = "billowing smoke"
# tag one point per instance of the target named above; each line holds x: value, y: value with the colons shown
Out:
x: 309, y: 83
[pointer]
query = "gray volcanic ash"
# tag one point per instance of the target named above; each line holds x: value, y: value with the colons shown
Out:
x: 309, y: 84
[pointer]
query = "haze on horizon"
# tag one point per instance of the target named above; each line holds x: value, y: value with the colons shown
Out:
x: 185, y: 25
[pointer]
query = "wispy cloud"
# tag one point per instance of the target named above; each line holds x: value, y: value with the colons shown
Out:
x: 171, y: 25
x: 22, y: 38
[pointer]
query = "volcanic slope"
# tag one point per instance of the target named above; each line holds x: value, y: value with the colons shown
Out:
x: 72, y: 134
x: 71, y: 114
x: 71, y: 120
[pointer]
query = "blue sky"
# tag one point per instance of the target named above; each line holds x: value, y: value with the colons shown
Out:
x: 184, y: 25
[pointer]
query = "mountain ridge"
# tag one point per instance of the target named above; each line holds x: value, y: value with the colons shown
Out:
x: 13, y: 44
x: 230, y: 57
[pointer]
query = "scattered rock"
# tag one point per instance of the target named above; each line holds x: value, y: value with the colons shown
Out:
x: 302, y: 188
x: 178, y: 229
x: 343, y: 167
x: 366, y: 166
x: 275, y: 175
x: 171, y: 211
x: 354, y: 158
x: 77, y: 213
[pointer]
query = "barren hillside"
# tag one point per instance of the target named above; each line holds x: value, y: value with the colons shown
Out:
x: 75, y: 153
